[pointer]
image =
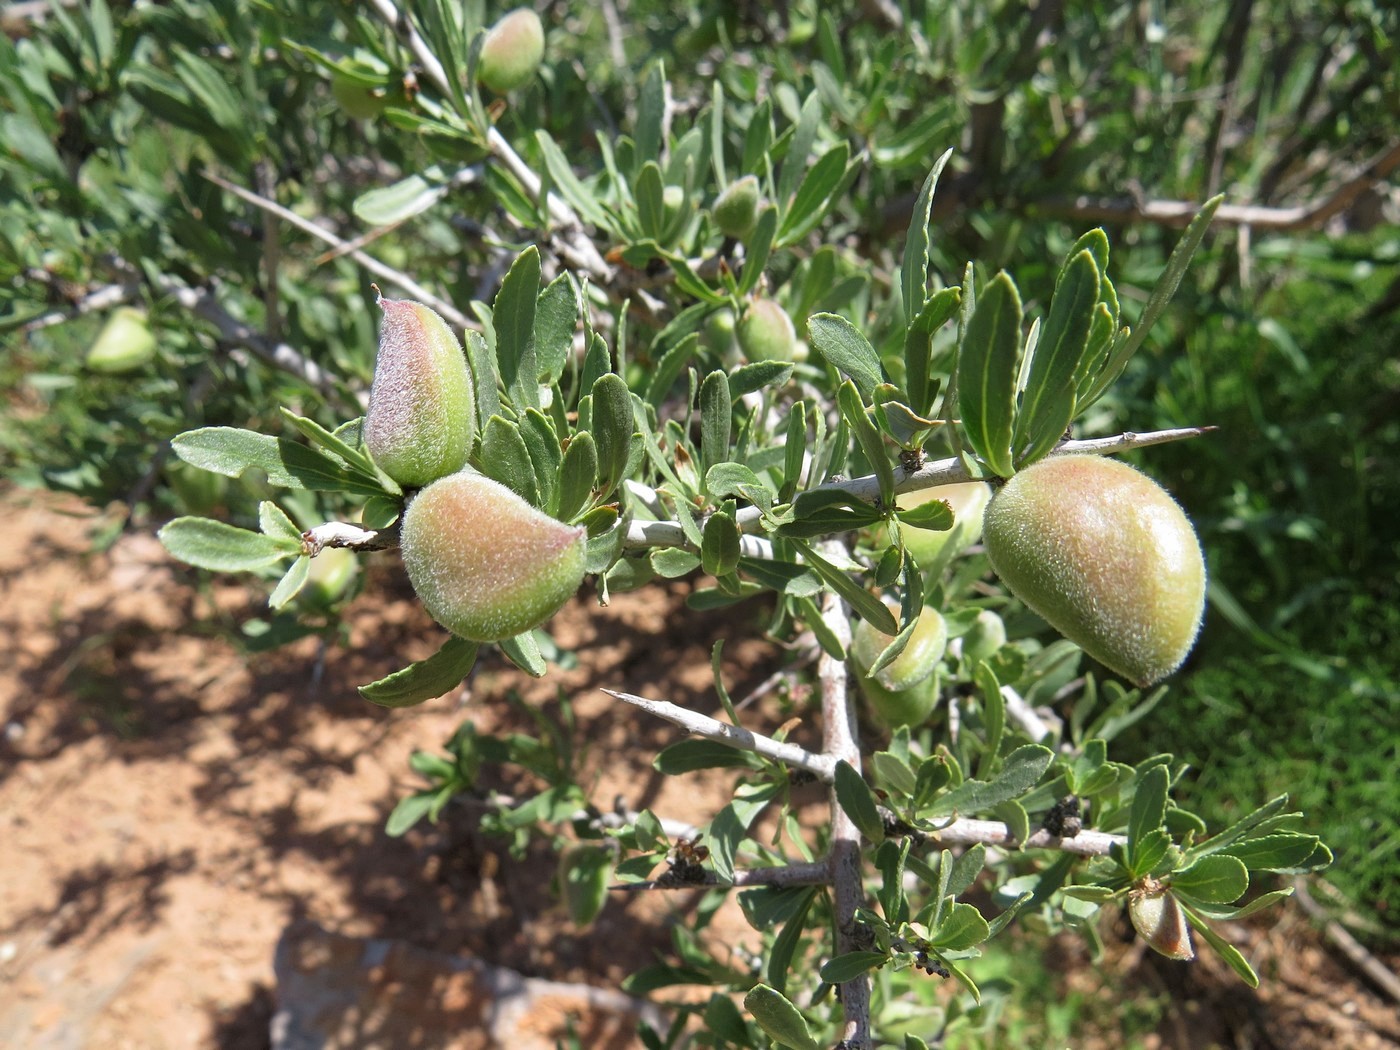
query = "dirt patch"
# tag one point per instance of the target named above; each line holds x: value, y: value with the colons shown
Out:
x: 170, y: 802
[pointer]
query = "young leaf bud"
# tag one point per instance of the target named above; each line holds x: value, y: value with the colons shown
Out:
x: 736, y: 209
x: 124, y: 344
x: 421, y: 419
x: 1106, y: 557
x: 512, y: 51
x: 766, y: 333
x: 485, y: 563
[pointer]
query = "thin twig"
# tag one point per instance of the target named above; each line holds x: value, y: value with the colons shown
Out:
x: 99, y: 299
x: 734, y: 736
x: 380, y: 269
x: 839, y: 744
x: 806, y: 873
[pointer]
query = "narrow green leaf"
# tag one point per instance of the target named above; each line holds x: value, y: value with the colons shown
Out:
x: 513, y: 315
x: 546, y: 457
x: 986, y: 373
x: 1149, y: 807
x: 577, y: 476
x: 804, y: 134
x: 613, y: 427
x: 719, y: 549
x: 648, y: 193
x: 686, y: 756
x: 914, y: 272
x: 651, y: 115
x: 716, y: 417
x: 291, y: 583
x: 579, y: 196
x: 757, y: 249
x: 219, y: 547
x: 1287, y: 851
x: 1224, y: 949
x: 438, y: 674
x: 758, y: 374
x: 865, y: 604
x: 851, y: 966
x: 1162, y: 293
x: 871, y: 442
x: 856, y: 798
x: 400, y: 201
x: 962, y: 928
x: 785, y: 945
x: 556, y: 320
x: 1048, y: 402
x: 230, y: 451
x: 731, y: 825
x: 1020, y: 772
x: 669, y: 368
x: 817, y: 185
x: 794, y: 451
x: 524, y: 652
x: 273, y: 522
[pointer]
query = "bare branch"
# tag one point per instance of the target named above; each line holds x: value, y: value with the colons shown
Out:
x: 839, y: 744
x: 807, y: 873
x: 381, y: 270
x: 734, y: 736
x: 965, y: 832
x: 1306, y: 216
x: 97, y: 300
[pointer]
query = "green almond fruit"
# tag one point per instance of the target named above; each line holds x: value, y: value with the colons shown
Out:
x: 1159, y: 920
x: 736, y: 209
x: 512, y: 51
x: 125, y: 343
x: 421, y: 419
x: 986, y: 635
x: 766, y: 333
x: 905, y: 707
x: 485, y: 563
x: 330, y: 577
x: 917, y: 661
x: 1106, y: 557
x: 932, y: 547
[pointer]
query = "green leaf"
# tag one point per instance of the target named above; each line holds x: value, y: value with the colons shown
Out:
x: 409, y: 812
x: 438, y: 674
x: 716, y: 417
x: 580, y: 197
x: 817, y: 185
x: 963, y: 927
x: 966, y: 869
x: 1286, y: 851
x: 219, y: 547
x: 868, y: 436
x: 757, y: 248
x: 577, y: 476
x: 651, y: 114
x: 686, y: 756
x: 505, y: 458
x: 847, y: 349
x: 851, y: 966
x: 865, y: 604
x: 1020, y: 772
x: 935, y: 515
x: 818, y: 512
x: 893, y: 772
x: 513, y: 316
x: 672, y: 363
x: 1224, y: 949
x: 986, y: 373
x: 785, y: 945
x: 719, y: 549
x: 1149, y: 809
x: 779, y: 1018
x: 542, y: 444
x: 731, y: 825
x: 648, y: 192
x: 914, y: 273
x: 758, y: 374
x: 1048, y: 402
x: 273, y: 522
x: 524, y: 652
x: 388, y: 205
x: 1162, y: 292
x: 556, y: 321
x: 1216, y: 879
x: 613, y: 427
x: 291, y: 583
x: 856, y: 798
x: 230, y: 451
x: 918, y: 347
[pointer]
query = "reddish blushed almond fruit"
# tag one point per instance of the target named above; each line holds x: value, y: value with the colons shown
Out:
x: 512, y: 51
x: 421, y: 419
x: 485, y: 563
x: 1106, y: 557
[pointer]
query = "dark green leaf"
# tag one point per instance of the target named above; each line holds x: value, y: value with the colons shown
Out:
x: 513, y: 315
x: 758, y: 374
x: 1020, y: 772
x: 757, y: 249
x: 505, y: 458
x: 782, y: 1021
x: 851, y: 966
x: 914, y: 272
x: 817, y: 186
x: 577, y: 476
x: 986, y: 373
x: 686, y: 756
x: 556, y: 320
x: 719, y: 549
x: 230, y: 451
x: 1149, y: 808
x: 868, y: 436
x: 963, y: 927
x: 613, y: 427
x: 438, y: 674
x: 524, y: 652
x: 1216, y: 879
x: 716, y: 416
x: 856, y: 798
x: 865, y: 604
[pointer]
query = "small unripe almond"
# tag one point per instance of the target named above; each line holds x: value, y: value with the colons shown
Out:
x: 1106, y: 557
x: 124, y: 344
x: 421, y: 419
x: 765, y: 332
x: 736, y: 209
x: 984, y: 638
x: 1159, y: 920
x: 968, y: 501
x: 358, y: 100
x: 485, y: 563
x: 512, y: 51
x: 332, y: 573
x: 916, y: 662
